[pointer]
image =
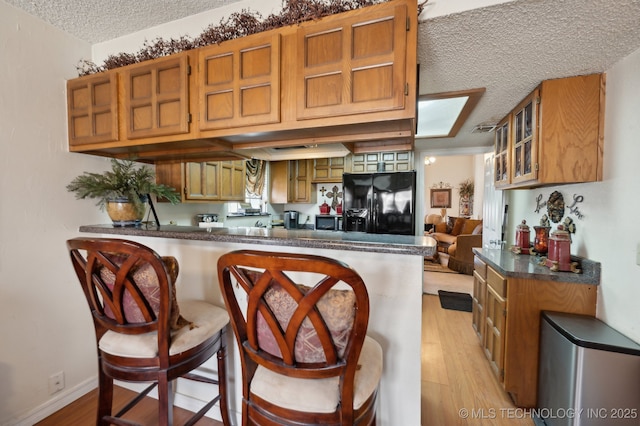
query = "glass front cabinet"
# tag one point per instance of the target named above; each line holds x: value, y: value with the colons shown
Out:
x: 524, y: 139
x: 501, y: 162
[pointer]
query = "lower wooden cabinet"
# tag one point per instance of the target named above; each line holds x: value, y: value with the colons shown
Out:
x: 479, y: 296
x: 495, y: 321
x: 205, y: 181
x: 506, y: 317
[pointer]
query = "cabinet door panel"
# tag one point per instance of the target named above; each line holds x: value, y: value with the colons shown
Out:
x: 156, y: 97
x: 478, y: 313
x: 92, y: 104
x: 232, y: 176
x: 240, y: 82
x: 494, y: 331
x: 525, y: 139
x: 352, y: 65
x: 202, y: 181
x: 502, y: 157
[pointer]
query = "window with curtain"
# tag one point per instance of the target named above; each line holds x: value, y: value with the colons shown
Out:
x: 256, y: 177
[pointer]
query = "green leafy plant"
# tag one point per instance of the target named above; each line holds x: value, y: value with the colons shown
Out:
x: 123, y: 181
x: 466, y: 188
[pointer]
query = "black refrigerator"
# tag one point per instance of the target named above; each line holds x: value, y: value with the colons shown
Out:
x: 379, y: 203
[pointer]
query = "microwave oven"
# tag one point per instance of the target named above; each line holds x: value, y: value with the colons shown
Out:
x: 328, y: 222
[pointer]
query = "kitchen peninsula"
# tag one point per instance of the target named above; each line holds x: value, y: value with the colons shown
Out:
x: 390, y: 265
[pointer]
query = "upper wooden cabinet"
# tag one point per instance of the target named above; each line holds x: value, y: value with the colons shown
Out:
x: 93, y: 108
x: 501, y: 154
x: 232, y: 180
x: 291, y: 182
x: 348, y: 78
x: 330, y: 170
x: 382, y: 161
x: 555, y: 135
x: 156, y: 97
x: 239, y: 82
x: 355, y: 64
x: 205, y: 181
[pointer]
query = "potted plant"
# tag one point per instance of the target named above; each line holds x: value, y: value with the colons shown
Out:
x: 466, y: 197
x: 466, y: 189
x: 123, y: 191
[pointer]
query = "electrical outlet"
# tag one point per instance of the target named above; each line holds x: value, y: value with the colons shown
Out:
x: 56, y: 382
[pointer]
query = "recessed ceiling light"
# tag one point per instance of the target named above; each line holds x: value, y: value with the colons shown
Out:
x: 441, y: 115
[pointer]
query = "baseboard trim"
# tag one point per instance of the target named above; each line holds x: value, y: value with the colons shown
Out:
x: 59, y: 401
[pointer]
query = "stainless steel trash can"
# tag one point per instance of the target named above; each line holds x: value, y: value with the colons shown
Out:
x: 589, y: 373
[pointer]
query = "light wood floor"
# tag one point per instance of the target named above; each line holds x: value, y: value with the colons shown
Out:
x: 455, y: 376
x: 82, y: 412
x: 458, y: 386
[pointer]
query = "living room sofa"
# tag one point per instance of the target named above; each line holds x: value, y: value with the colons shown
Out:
x: 456, y: 237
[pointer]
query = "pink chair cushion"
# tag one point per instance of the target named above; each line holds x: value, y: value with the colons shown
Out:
x: 145, y: 277
x: 337, y: 308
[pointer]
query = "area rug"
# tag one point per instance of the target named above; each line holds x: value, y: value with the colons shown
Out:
x: 436, y: 266
x: 455, y: 301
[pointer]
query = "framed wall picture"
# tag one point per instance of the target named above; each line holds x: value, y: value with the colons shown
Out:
x: 441, y: 198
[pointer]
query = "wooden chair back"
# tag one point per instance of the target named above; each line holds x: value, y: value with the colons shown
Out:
x: 268, y: 280
x: 111, y: 272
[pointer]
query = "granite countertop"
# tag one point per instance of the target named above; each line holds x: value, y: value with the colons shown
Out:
x: 526, y: 266
x: 336, y: 240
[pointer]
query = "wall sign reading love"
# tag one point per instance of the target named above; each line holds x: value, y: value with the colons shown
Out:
x: 556, y: 206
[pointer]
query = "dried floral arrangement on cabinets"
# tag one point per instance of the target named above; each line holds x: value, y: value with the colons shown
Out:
x: 238, y: 24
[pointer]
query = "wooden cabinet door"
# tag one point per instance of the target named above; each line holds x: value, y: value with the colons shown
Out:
x: 479, y: 301
x: 571, y: 129
x: 239, y: 82
x: 401, y: 161
x: 156, y: 97
x: 502, y: 149
x: 300, y: 189
x: 329, y: 170
x: 352, y: 65
x: 524, y: 139
x: 496, y: 315
x: 232, y: 180
x: 202, y: 181
x: 92, y: 108
x: 279, y: 182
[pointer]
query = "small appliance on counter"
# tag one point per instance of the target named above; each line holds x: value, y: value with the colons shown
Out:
x: 208, y: 220
x: 247, y: 210
x: 328, y: 222
x: 291, y: 219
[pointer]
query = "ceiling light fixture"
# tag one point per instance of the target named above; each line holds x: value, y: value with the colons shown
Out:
x: 429, y: 160
x: 441, y: 115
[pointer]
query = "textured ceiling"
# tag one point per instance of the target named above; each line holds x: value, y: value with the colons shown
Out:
x: 507, y: 48
x: 100, y: 20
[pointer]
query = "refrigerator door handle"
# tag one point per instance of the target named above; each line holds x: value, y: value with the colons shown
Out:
x: 374, y: 213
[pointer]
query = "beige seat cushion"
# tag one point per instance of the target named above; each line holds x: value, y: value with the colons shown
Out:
x: 320, y: 395
x: 445, y: 238
x: 207, y: 320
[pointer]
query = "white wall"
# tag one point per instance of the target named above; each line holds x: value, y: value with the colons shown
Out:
x: 610, y: 231
x: 46, y: 326
x: 45, y: 321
